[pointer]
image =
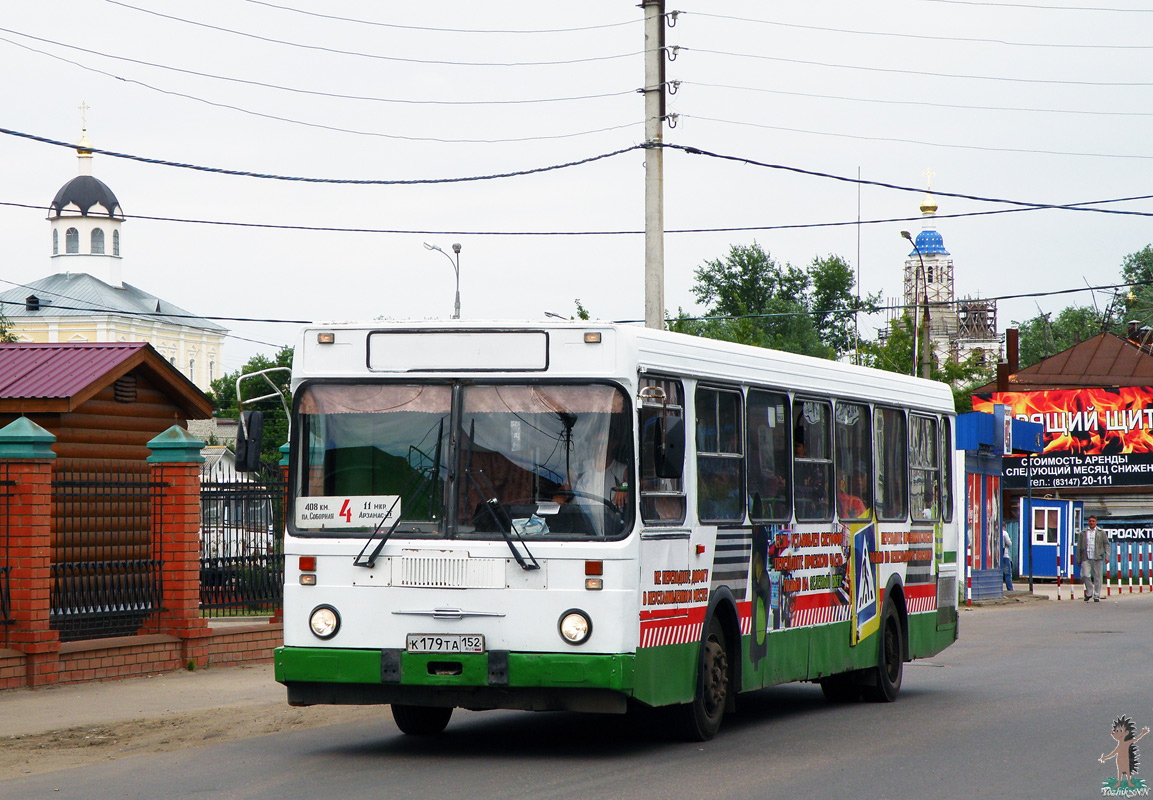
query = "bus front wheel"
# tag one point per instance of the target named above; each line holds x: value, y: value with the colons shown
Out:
x: 890, y: 664
x: 421, y: 720
x: 701, y: 719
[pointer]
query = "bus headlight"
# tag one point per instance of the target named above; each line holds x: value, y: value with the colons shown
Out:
x: 324, y: 621
x: 575, y: 626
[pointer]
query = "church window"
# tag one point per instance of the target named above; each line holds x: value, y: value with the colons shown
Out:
x: 211, y: 371
x: 72, y: 241
x: 55, y: 241
x: 115, y: 243
x: 929, y: 275
x: 192, y: 368
x: 97, y: 241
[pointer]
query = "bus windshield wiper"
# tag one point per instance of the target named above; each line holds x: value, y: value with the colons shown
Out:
x: 370, y: 561
x: 503, y: 523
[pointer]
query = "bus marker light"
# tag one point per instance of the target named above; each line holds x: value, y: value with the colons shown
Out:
x: 593, y: 338
x: 575, y: 627
x: 594, y: 584
x: 308, y: 579
x: 307, y: 563
x: 326, y: 337
x: 700, y: 549
x: 594, y: 568
x: 324, y: 621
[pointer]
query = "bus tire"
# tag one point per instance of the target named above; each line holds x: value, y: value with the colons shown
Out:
x: 841, y: 688
x: 701, y: 718
x: 421, y: 720
x: 886, y: 683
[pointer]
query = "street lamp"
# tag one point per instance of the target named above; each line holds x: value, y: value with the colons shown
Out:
x: 925, y: 359
x: 455, y: 268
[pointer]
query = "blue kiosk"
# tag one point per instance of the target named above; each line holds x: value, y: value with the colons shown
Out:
x: 982, y: 441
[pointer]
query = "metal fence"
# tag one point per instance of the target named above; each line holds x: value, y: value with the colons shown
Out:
x: 105, y: 574
x: 6, y: 485
x: 241, y: 541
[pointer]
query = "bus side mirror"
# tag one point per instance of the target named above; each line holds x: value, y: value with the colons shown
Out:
x: 669, y: 458
x: 248, y: 441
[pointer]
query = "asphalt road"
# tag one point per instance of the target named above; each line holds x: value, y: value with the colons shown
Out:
x: 1021, y: 707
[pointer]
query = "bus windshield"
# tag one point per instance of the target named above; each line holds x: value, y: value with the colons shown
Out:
x: 539, y: 460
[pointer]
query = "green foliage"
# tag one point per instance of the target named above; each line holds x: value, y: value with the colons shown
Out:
x: 752, y: 299
x: 582, y: 312
x: 6, y: 334
x: 1045, y: 335
x: 894, y: 353
x: 223, y: 396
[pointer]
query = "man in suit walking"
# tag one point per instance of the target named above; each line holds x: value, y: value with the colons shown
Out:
x: 1092, y: 549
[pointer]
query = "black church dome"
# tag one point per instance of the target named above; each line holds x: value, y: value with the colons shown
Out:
x: 84, y: 192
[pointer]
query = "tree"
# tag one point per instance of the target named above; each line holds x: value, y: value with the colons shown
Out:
x: 1045, y: 335
x: 751, y: 299
x: 223, y: 396
x: 6, y: 334
x: 894, y: 353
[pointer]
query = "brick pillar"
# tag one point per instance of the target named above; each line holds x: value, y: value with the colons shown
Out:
x: 175, y: 462
x: 25, y: 450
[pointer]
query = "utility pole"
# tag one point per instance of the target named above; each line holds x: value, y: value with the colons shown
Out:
x: 654, y: 163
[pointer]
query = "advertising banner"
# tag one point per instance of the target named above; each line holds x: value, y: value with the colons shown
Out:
x: 1093, y: 437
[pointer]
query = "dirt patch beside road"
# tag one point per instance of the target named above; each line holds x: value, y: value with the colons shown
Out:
x: 34, y: 753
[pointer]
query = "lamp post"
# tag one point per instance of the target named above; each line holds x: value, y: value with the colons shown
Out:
x: 925, y: 358
x: 455, y: 268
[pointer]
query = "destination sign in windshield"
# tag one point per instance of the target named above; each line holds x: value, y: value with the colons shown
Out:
x: 358, y: 511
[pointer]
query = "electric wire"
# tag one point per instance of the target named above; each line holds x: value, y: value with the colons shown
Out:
x: 377, y: 56
x: 920, y: 103
x: 442, y: 30
x: 339, y: 181
x: 921, y: 73
x: 921, y: 36
x: 1043, y: 7
x: 920, y: 142
x: 281, y: 87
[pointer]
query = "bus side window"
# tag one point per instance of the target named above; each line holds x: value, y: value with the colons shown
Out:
x: 890, y: 454
x: 769, y: 454
x: 854, y: 466
x: 662, y: 499
x: 720, y: 462
x: 812, y: 461
x: 946, y: 471
x: 924, y: 467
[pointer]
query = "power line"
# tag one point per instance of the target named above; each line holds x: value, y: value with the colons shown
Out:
x: 922, y: 103
x: 377, y: 56
x: 1044, y: 8
x: 336, y: 128
x: 922, y: 73
x: 883, y: 185
x: 862, y: 137
x: 922, y: 36
x: 342, y: 181
x: 443, y: 30
x: 281, y: 87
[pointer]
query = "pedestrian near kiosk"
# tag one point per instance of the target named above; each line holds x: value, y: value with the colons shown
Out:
x: 1007, y: 559
x: 1092, y: 549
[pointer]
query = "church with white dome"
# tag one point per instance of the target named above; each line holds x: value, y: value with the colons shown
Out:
x: 86, y: 298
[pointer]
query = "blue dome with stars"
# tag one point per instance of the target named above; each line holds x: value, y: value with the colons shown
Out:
x: 929, y: 243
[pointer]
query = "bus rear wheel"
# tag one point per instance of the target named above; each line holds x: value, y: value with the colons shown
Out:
x: 890, y: 664
x: 421, y: 720
x: 701, y: 719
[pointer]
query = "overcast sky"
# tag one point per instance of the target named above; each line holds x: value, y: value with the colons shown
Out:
x: 1044, y: 103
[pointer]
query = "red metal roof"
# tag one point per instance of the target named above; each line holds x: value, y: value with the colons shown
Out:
x: 1104, y: 360
x: 73, y: 372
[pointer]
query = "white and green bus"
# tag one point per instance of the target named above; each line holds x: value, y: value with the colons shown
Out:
x: 594, y: 517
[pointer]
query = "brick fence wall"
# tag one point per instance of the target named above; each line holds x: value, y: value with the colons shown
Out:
x: 31, y: 653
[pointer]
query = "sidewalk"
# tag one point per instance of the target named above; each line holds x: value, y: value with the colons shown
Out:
x: 25, y: 712
x: 1049, y: 591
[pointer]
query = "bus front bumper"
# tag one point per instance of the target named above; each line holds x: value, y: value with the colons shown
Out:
x: 496, y: 679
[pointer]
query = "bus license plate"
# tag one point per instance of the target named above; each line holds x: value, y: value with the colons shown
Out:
x: 445, y: 643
